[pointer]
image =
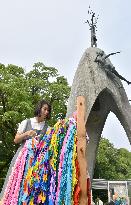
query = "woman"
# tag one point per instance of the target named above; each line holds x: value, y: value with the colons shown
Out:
x: 28, y: 129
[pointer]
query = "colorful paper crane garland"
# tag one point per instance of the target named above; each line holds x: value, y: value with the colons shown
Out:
x: 46, y: 170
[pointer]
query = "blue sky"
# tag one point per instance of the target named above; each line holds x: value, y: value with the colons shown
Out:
x: 54, y: 33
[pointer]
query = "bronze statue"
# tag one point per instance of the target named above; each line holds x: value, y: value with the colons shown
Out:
x: 109, y: 68
x: 93, y: 27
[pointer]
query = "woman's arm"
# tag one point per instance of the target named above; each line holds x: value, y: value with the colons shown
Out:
x: 20, y: 137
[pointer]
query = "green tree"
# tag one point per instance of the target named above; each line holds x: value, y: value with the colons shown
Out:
x: 19, y: 93
x: 112, y: 163
x: 124, y: 159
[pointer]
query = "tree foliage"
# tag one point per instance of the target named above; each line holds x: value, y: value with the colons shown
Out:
x: 112, y: 163
x: 19, y: 93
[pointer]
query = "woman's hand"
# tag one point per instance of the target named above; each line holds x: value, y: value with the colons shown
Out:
x: 24, y: 136
x: 31, y: 133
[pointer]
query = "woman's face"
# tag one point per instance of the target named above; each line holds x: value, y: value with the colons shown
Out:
x: 44, y: 111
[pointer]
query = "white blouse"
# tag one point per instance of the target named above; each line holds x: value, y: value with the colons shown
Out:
x: 34, y: 124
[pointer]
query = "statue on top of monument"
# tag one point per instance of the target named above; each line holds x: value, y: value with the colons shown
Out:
x: 101, y: 59
x: 92, y: 24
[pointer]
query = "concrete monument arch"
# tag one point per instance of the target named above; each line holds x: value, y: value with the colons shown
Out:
x: 103, y: 92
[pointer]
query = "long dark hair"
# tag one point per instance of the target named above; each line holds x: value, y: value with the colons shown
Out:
x: 40, y: 104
